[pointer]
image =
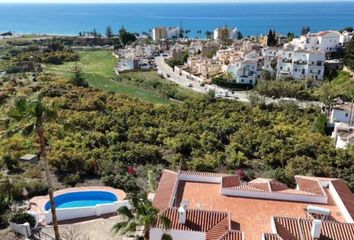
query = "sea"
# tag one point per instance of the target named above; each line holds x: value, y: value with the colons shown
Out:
x: 249, y: 18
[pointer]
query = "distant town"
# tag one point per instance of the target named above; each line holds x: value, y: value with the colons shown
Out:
x: 162, y: 136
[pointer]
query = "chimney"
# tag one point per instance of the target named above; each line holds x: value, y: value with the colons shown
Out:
x: 182, y: 215
x: 316, y: 229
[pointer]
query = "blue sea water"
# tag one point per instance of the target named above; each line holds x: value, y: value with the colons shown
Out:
x: 250, y: 18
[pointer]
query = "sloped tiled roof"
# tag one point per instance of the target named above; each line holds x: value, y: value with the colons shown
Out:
x: 197, y: 220
x: 232, y: 235
x: 218, y: 230
x: 269, y: 185
x: 309, y: 185
x: 230, y: 181
x: 345, y: 194
x: 271, y: 236
x: 300, y: 229
x: 165, y: 190
x: 207, y: 174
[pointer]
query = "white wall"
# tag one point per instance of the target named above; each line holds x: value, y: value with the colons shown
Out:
x: 275, y: 196
x: 337, y: 199
x: 156, y: 234
x: 73, y: 213
x: 23, y: 229
x: 197, y: 178
x: 340, y: 116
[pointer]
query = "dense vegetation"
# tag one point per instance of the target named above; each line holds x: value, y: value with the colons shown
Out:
x: 101, y: 135
x: 342, y: 85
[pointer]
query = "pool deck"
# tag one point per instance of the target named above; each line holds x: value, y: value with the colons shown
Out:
x: 36, y: 204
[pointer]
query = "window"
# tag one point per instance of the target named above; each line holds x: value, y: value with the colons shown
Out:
x: 319, y: 72
x: 310, y: 70
x: 346, y: 115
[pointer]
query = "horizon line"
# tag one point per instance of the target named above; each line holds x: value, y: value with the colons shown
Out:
x: 164, y: 2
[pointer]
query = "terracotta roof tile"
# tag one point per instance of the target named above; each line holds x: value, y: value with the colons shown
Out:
x: 300, y: 229
x: 218, y: 230
x: 208, y: 174
x: 230, y: 181
x: 309, y: 185
x: 198, y: 221
x: 345, y: 194
x: 271, y: 236
x: 165, y: 190
x: 232, y: 235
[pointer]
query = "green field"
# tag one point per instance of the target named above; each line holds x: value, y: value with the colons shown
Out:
x: 98, y: 70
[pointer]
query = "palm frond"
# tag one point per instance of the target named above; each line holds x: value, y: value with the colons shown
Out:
x: 165, y: 221
x: 129, y: 227
x: 118, y: 226
x: 125, y: 211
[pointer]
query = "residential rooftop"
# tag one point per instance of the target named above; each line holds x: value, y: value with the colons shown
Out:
x: 253, y: 205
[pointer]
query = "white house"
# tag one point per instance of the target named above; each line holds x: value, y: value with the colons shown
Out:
x: 196, y: 224
x: 327, y: 41
x: 343, y: 135
x: 301, y: 64
x: 270, y: 54
x: 343, y: 113
x: 244, y: 72
x: 231, y: 32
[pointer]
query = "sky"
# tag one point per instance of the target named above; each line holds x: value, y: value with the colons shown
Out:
x: 159, y: 1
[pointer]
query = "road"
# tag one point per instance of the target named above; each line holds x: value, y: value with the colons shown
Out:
x: 242, y: 96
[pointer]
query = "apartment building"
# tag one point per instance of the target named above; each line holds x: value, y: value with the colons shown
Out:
x: 160, y: 33
x: 326, y: 41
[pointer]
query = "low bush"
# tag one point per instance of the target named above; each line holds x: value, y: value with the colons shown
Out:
x: 23, y: 217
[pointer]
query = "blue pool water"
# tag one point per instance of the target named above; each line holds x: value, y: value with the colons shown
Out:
x: 82, y: 199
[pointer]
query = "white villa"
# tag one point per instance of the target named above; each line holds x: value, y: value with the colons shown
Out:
x: 343, y: 113
x: 326, y: 41
x: 343, y: 135
x: 244, y: 72
x: 298, y: 64
x: 301, y: 64
x: 212, y: 206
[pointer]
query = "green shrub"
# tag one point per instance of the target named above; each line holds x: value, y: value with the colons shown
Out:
x: 72, y: 179
x: 23, y: 217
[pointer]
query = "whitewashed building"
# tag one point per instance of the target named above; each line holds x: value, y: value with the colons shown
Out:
x: 326, y: 41
x: 343, y: 135
x: 301, y: 64
x: 343, y: 113
x: 244, y: 72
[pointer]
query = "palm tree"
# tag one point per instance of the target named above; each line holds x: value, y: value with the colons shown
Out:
x: 29, y: 116
x: 142, y: 214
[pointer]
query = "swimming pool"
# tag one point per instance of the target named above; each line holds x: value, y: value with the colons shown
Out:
x: 82, y: 199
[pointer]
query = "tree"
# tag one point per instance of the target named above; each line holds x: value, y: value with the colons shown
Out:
x: 31, y: 115
x: 142, y: 214
x: 266, y: 75
x: 305, y: 30
x: 77, y: 78
x: 290, y: 36
x: 109, y: 32
x: 349, y: 55
x: 209, y: 34
x: 271, y: 39
x: 239, y: 35
x: 126, y: 37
